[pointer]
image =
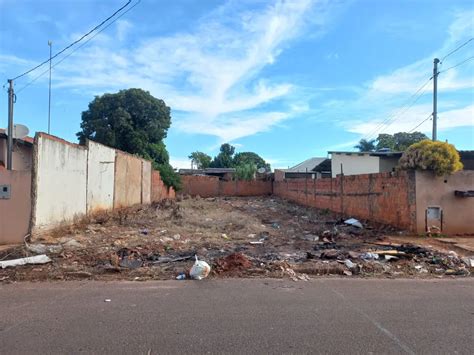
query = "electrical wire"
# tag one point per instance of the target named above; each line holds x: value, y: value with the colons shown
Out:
x: 73, y: 43
x: 76, y: 49
x: 458, y: 64
x: 426, y: 119
x: 458, y: 48
x: 409, y: 103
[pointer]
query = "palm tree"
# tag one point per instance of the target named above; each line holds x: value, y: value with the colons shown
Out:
x: 365, y: 145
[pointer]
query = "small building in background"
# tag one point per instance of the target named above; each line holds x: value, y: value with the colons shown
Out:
x: 467, y: 159
x: 312, y: 168
x: 225, y: 174
x: 355, y: 163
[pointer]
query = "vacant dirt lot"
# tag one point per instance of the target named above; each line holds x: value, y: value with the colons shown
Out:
x: 250, y: 237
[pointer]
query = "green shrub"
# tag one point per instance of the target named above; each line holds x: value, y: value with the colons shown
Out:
x: 440, y: 157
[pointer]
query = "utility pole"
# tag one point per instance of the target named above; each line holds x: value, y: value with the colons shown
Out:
x: 11, y: 94
x: 435, y: 98
x: 50, y: 44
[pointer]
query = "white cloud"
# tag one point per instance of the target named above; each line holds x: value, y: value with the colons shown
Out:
x: 387, y: 104
x: 180, y: 163
x: 212, y: 75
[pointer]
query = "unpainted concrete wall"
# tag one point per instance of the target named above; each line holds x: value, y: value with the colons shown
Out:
x: 210, y: 186
x: 59, y: 182
x: 354, y: 164
x: 146, y: 182
x: 433, y: 191
x: 128, y: 180
x: 100, y: 177
x: 15, y: 212
x: 385, y: 198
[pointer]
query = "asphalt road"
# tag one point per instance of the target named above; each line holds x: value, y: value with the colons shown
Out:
x: 239, y: 316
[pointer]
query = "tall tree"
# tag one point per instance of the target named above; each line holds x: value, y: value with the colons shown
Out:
x: 399, y: 141
x: 200, y: 160
x: 366, y: 146
x: 251, y: 158
x: 133, y: 121
x: 225, y: 157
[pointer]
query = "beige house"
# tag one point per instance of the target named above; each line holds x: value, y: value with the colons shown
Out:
x: 355, y: 163
x: 22, y: 152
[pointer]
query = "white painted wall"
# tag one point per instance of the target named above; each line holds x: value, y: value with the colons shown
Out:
x: 60, y: 182
x: 354, y: 164
x: 100, y: 177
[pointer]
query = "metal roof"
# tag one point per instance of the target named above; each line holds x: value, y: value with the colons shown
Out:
x: 306, y: 166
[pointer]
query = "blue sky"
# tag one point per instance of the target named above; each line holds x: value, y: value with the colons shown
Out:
x: 286, y: 79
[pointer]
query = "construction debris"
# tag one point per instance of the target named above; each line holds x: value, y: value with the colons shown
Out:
x: 238, y: 237
x: 38, y: 259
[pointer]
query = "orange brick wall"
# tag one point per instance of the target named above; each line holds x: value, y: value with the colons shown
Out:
x: 159, y: 191
x: 385, y: 198
x: 210, y: 186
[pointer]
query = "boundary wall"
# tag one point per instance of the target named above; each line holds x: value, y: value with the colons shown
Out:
x: 70, y: 181
x: 210, y: 186
x: 384, y: 198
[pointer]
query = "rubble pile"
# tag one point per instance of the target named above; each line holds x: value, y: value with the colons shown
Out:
x: 236, y: 237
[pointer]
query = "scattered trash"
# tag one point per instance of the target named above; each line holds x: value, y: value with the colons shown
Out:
x: 43, y: 249
x: 164, y: 259
x: 275, y: 225
x: 38, y: 259
x: 293, y: 275
x: 130, y: 259
x: 390, y: 257
x: 181, y: 276
x: 256, y: 242
x: 349, y: 263
x: 144, y: 231
x: 252, y: 235
x: 223, y: 235
x: 369, y: 256
x: 353, y: 222
x: 107, y: 300
x: 347, y: 273
x: 200, y: 270
x: 176, y: 237
x: 468, y: 261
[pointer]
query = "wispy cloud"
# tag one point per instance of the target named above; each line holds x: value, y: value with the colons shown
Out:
x: 386, y: 105
x: 212, y: 76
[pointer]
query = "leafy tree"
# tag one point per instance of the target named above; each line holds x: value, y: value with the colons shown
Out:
x: 251, y: 158
x: 245, y: 171
x: 134, y: 121
x: 440, y: 157
x: 200, y: 159
x: 225, y: 158
x: 399, y: 141
x: 366, y: 145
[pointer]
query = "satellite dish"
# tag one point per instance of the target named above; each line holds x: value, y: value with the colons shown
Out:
x: 261, y: 170
x: 20, y: 131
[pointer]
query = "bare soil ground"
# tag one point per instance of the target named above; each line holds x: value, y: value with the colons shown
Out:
x: 238, y: 237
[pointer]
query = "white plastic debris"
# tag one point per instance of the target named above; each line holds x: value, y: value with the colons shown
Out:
x: 353, y: 222
x: 349, y: 263
x: 369, y: 256
x: 37, y: 259
x: 42, y: 248
x: 200, y: 270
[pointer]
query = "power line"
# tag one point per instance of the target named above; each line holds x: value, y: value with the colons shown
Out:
x: 409, y: 103
x: 426, y: 119
x: 458, y: 64
x: 73, y: 43
x: 458, y: 48
x: 76, y: 49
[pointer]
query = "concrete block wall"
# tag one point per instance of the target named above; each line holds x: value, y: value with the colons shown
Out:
x: 59, y: 182
x: 211, y: 186
x: 100, y: 177
x: 385, y: 198
x: 70, y: 181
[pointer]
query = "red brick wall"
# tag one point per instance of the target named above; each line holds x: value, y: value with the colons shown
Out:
x: 210, y: 186
x: 159, y: 191
x: 383, y: 198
